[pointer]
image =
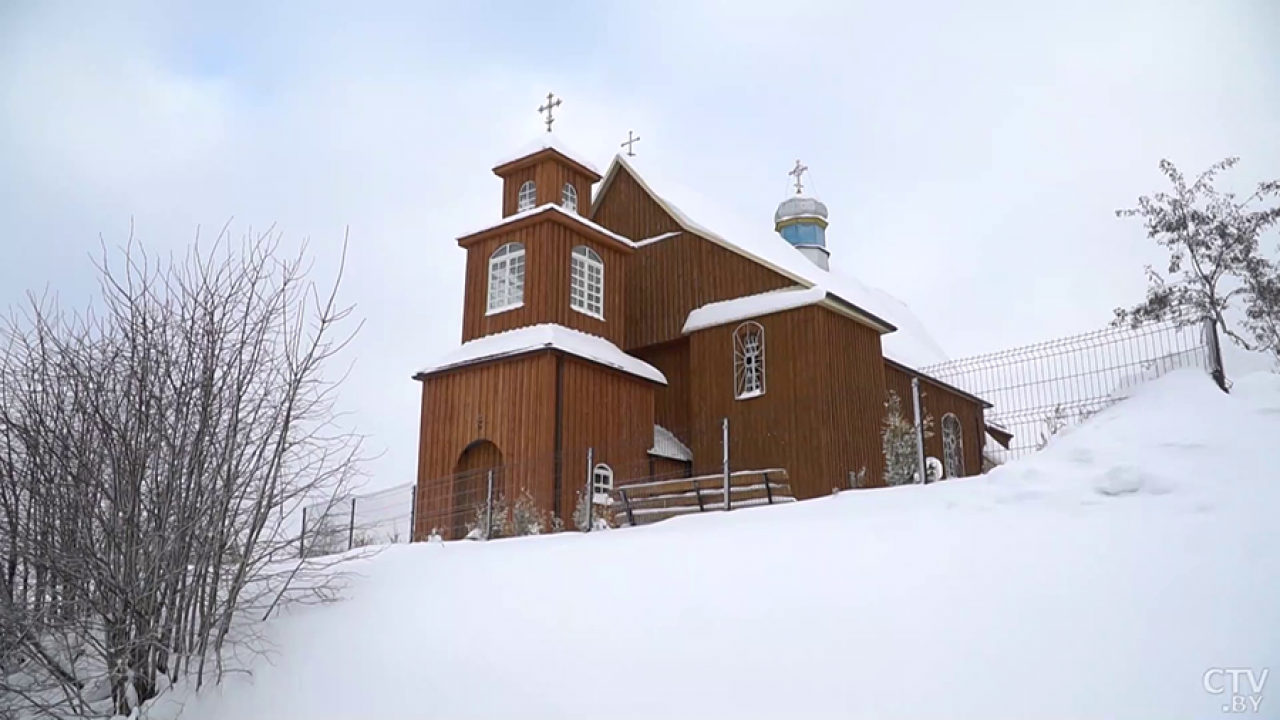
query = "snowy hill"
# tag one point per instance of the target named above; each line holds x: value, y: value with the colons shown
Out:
x: 1100, y: 578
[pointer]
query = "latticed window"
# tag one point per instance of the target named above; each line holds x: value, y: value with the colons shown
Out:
x: 952, y: 446
x: 506, y: 278
x: 569, y: 197
x: 586, y: 282
x: 528, y: 196
x: 601, y: 483
x: 748, y: 360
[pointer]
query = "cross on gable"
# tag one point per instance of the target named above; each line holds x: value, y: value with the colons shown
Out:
x: 553, y: 102
x: 797, y: 172
x: 631, y: 140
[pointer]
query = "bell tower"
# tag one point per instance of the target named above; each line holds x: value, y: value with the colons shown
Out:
x: 546, y: 171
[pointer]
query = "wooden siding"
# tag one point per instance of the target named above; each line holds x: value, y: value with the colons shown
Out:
x: 819, y: 417
x: 670, y: 278
x: 671, y: 403
x: 611, y: 413
x: 548, y: 246
x: 508, y: 408
x: 550, y: 176
x: 512, y: 405
x: 627, y: 209
x: 937, y: 401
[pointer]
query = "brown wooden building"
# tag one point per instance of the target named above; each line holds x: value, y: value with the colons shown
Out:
x: 608, y: 337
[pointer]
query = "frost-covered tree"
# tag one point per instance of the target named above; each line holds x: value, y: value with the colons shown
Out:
x: 155, y: 451
x: 1215, y: 257
x: 898, y: 437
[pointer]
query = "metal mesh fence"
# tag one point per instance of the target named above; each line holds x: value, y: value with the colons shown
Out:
x: 1039, y: 389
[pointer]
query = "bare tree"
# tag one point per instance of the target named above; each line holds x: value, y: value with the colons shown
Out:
x: 153, y: 451
x: 1215, y: 260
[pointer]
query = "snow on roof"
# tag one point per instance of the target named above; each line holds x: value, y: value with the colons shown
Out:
x: 550, y: 207
x: 910, y: 345
x: 547, y: 336
x: 667, y: 445
x: 749, y: 306
x: 548, y: 141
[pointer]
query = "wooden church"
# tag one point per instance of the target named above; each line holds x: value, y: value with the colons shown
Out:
x: 609, y: 332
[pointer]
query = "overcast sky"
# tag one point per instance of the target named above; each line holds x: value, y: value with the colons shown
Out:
x: 972, y: 154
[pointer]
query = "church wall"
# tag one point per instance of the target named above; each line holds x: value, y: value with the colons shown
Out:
x: 937, y: 401
x: 818, y: 418
x: 673, y: 277
x: 510, y: 403
x: 629, y: 211
x: 610, y: 412
x: 548, y: 246
x: 671, y: 403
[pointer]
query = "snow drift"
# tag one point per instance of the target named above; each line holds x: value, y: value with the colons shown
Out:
x: 1100, y: 578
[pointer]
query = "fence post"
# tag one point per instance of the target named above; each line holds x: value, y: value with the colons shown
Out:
x: 302, y: 537
x: 1215, y: 354
x: 697, y: 490
x: 488, y: 508
x: 626, y: 503
x: 351, y: 526
x: 768, y: 489
x: 413, y: 512
x: 591, y: 490
x: 724, y: 443
x: 915, y: 401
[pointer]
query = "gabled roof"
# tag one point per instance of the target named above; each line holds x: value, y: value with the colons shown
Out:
x: 559, y: 213
x: 543, y: 337
x: 908, y: 344
x: 547, y: 141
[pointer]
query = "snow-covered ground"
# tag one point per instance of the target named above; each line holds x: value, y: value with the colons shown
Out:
x: 1102, y: 577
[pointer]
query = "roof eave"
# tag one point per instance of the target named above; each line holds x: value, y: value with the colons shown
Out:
x: 939, y: 383
x: 552, y: 213
x: 535, y: 157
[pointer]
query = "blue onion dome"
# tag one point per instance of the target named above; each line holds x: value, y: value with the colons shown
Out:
x: 800, y: 208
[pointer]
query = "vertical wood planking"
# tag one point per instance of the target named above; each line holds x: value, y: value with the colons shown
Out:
x: 937, y: 401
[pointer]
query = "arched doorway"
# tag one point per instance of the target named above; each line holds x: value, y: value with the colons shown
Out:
x: 471, y: 484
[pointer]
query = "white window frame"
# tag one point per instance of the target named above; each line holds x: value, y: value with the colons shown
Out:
x: 601, y: 484
x: 586, y: 282
x: 748, y: 361
x: 569, y: 197
x: 506, y: 279
x: 527, y: 197
x: 952, y: 446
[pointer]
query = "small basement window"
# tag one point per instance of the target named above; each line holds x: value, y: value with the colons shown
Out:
x: 601, y: 484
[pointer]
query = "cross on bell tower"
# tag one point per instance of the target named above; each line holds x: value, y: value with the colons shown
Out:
x: 553, y: 102
x: 797, y: 172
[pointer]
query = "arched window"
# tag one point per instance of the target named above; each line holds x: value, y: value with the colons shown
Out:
x: 748, y: 360
x: 528, y: 196
x: 586, y: 282
x: 601, y: 484
x: 952, y: 446
x: 506, y: 278
x: 569, y: 197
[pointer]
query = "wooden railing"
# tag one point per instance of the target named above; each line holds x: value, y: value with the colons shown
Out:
x: 647, y: 502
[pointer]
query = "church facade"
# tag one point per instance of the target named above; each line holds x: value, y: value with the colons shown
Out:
x: 608, y: 337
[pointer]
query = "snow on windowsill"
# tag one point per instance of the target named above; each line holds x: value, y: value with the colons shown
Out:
x: 504, y: 308
x: 750, y: 395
